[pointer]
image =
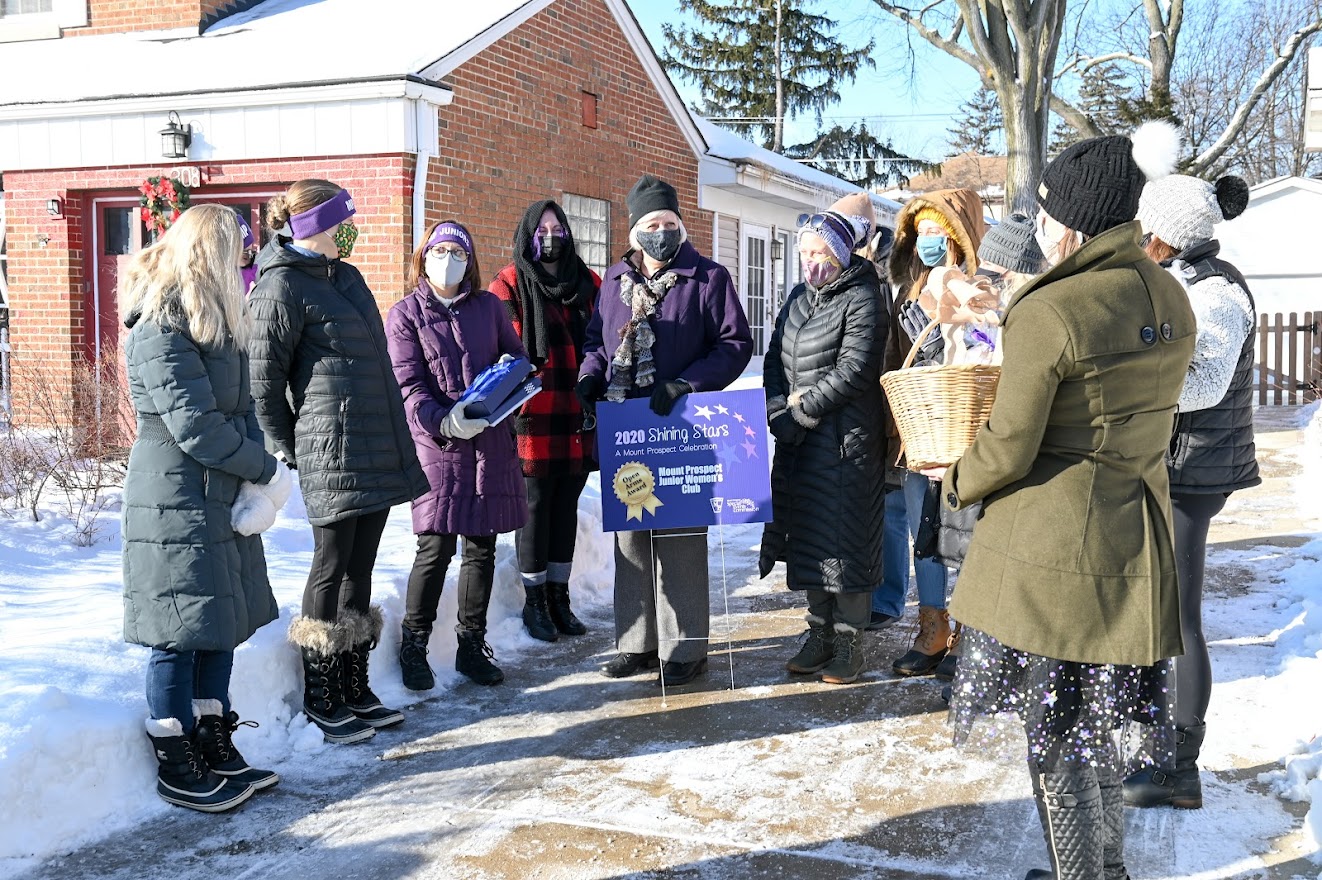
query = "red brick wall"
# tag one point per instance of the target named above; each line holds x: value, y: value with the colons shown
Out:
x: 46, y: 282
x: 117, y: 16
x: 514, y: 134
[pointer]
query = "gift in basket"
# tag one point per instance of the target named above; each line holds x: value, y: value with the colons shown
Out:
x: 939, y: 409
x: 500, y: 389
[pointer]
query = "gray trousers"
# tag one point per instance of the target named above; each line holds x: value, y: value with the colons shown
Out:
x: 852, y: 609
x: 661, y: 599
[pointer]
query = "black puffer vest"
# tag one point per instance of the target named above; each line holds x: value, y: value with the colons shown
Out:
x: 1212, y: 450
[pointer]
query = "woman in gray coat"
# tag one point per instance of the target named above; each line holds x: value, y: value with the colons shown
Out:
x: 195, y: 584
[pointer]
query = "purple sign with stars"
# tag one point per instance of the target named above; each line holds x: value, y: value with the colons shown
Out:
x: 705, y: 464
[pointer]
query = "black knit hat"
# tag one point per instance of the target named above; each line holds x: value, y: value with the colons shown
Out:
x: 650, y: 194
x: 1094, y: 185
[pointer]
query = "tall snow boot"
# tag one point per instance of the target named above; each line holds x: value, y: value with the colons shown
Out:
x: 1069, y: 805
x: 557, y: 600
x: 846, y: 657
x: 182, y: 777
x: 213, y: 735
x: 364, y: 633
x: 929, y: 646
x: 1180, y: 787
x: 413, y: 665
x: 817, y: 650
x: 1113, y: 814
x: 474, y: 658
x: 536, y: 616
x: 322, y: 644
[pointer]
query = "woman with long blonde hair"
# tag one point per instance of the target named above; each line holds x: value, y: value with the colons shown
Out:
x: 200, y: 486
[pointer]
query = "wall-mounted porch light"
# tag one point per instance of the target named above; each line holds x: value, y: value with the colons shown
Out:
x: 176, y: 138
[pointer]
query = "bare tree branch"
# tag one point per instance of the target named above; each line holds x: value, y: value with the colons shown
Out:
x: 1074, y: 117
x: 949, y: 46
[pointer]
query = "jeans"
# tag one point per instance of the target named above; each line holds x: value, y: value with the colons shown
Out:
x: 176, y: 678
x: 477, y: 571
x: 906, y: 506
x: 343, y: 556
x: 545, y: 546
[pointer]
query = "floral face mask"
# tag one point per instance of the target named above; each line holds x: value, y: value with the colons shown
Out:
x: 344, y: 238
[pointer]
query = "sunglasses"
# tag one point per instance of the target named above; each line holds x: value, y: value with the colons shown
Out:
x: 825, y: 221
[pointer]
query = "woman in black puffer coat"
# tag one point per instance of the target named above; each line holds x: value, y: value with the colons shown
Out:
x: 824, y: 403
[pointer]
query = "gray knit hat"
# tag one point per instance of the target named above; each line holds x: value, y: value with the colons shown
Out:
x: 1011, y: 245
x: 1181, y: 211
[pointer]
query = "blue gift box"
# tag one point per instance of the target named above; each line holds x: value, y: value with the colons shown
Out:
x: 492, y: 386
x: 531, y: 387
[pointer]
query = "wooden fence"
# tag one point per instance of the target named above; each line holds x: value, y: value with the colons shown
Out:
x: 1289, y: 367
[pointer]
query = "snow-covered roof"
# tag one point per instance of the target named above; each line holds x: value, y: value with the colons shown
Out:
x: 275, y: 44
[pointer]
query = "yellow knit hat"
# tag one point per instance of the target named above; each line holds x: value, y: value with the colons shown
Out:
x: 927, y: 212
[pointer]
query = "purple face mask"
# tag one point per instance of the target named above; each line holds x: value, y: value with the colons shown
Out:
x: 327, y: 215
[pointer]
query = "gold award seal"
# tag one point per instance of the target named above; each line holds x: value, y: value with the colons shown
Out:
x: 634, y: 485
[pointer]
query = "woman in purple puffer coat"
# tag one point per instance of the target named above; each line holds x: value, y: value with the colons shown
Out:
x: 445, y: 332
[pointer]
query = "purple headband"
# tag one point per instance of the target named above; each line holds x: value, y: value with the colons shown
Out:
x: 327, y: 215
x: 248, y: 240
x: 451, y: 232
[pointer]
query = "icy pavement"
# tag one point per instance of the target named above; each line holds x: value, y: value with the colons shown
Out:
x: 560, y: 773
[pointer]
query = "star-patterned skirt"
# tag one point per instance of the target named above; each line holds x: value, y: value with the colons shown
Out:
x: 1096, y: 714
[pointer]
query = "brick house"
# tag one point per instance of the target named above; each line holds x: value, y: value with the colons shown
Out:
x: 423, y: 110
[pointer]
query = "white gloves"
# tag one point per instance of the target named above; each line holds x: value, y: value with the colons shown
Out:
x: 460, y: 427
x: 506, y: 358
x: 257, y: 503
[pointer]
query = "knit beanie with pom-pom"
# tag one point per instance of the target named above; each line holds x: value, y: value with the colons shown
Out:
x: 1181, y: 211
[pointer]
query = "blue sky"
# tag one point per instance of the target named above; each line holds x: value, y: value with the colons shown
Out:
x: 911, y: 97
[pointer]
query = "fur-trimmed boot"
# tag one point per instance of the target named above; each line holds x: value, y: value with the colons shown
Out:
x: 847, y: 656
x: 364, y: 633
x: 1180, y: 787
x: 817, y: 650
x: 929, y: 646
x: 213, y: 734
x: 413, y: 666
x: 1069, y: 805
x: 182, y: 777
x: 322, y: 644
x: 536, y: 616
x: 557, y: 602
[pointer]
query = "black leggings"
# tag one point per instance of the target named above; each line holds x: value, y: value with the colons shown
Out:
x: 427, y: 580
x: 1193, y: 515
x: 552, y: 527
x: 343, y: 556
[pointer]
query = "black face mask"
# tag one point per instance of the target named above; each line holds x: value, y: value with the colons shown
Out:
x: 661, y: 245
x: 552, y: 248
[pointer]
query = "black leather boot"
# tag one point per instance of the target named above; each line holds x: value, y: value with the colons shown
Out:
x: 1069, y: 804
x: 1113, y: 815
x: 413, y: 665
x: 536, y: 616
x: 624, y: 664
x: 1180, y: 787
x: 557, y: 599
x: 474, y: 658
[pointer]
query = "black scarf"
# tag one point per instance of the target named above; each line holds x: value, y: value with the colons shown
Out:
x: 572, y: 287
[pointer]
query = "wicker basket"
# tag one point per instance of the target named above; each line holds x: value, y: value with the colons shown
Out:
x: 939, y: 410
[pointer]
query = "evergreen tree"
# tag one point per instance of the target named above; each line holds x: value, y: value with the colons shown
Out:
x: 766, y: 60
x: 857, y: 155
x: 977, y: 130
x: 1109, y: 102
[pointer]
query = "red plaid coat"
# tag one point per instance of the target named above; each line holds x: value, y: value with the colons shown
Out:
x: 550, y: 432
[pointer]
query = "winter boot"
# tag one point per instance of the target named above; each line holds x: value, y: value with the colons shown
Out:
x: 182, y: 777
x: 1069, y: 804
x: 847, y: 656
x: 536, y: 616
x: 413, y: 664
x: 1180, y: 788
x: 557, y: 599
x: 213, y: 736
x: 949, y: 665
x: 474, y: 658
x: 365, y: 631
x: 1113, y: 816
x: 323, y: 644
x: 818, y: 647
x: 929, y: 646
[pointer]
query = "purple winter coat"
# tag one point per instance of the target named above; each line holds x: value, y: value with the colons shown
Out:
x: 702, y: 334
x: 476, y: 485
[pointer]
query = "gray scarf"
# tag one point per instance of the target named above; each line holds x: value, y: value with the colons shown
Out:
x: 632, y: 364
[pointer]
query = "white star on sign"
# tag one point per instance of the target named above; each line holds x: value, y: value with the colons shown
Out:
x: 722, y: 410
x: 705, y: 412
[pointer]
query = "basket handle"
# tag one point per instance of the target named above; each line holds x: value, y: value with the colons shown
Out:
x: 922, y: 337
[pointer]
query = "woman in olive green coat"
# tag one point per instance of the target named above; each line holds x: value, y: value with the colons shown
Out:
x: 1068, y: 591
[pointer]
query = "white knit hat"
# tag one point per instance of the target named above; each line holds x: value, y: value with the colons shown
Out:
x: 1181, y: 210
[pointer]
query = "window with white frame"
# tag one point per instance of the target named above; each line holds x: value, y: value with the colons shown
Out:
x: 24, y: 7
x: 590, y: 223
x: 22, y: 20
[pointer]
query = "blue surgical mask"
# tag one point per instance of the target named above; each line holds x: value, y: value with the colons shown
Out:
x: 931, y: 249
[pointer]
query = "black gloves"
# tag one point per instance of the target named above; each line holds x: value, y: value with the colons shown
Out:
x: 589, y: 390
x: 913, y: 320
x: 786, y: 430
x: 665, y: 395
